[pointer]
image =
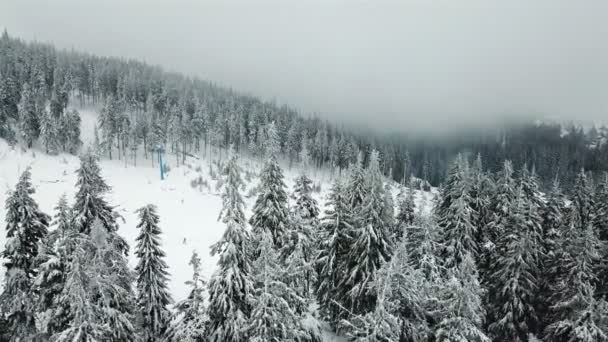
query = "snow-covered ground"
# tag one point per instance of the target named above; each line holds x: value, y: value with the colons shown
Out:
x: 188, y: 215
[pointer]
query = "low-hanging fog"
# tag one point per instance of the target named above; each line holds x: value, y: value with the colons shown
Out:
x: 386, y: 65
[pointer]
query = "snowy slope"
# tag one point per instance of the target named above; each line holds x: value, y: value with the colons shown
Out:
x: 188, y: 215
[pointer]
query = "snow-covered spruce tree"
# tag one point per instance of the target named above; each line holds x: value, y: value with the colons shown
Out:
x: 371, y: 244
x: 52, y: 264
x: 399, y: 314
x: 501, y: 203
x: 231, y: 286
x: 454, y: 217
x: 26, y: 226
x: 601, y: 227
x: 152, y: 293
x: 272, y: 316
x: 406, y: 207
x: 48, y: 133
x: 29, y: 118
x: 334, y: 243
x: 515, y: 279
x: 98, y: 291
x: 388, y: 213
x: 270, y: 211
x: 575, y: 314
x: 355, y: 188
x: 191, y: 319
x: 582, y: 199
x: 89, y: 203
x: 553, y: 225
x: 462, y: 310
x: 303, y: 231
x: 480, y: 191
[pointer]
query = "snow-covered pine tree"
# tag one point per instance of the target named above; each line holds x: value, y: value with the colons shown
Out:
x: 48, y: 133
x: 554, y: 219
x: 334, y: 243
x: 273, y: 317
x: 399, y: 314
x: 190, y: 324
x: 501, y: 202
x: 270, y: 211
x: 601, y: 227
x: 29, y: 118
x: 371, y: 243
x: 231, y: 286
x: 153, y: 296
x: 515, y: 279
x: 89, y: 203
x: 480, y: 192
x: 388, y: 213
x: 582, y: 199
x: 52, y: 264
x: 454, y: 217
x: 303, y: 232
x: 575, y: 314
x: 97, y: 291
x: 26, y: 226
x: 355, y: 188
x: 405, y: 211
x: 462, y: 313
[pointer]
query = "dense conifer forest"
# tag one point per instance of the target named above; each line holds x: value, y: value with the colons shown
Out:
x: 509, y: 244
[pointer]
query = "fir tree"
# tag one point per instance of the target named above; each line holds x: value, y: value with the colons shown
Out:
x: 454, y: 216
x: 98, y: 291
x: 601, y: 226
x: 405, y: 211
x: 272, y: 316
x: 26, y: 226
x: 582, y: 199
x: 52, y: 264
x: 575, y: 314
x: 231, y: 286
x: 334, y: 243
x: 462, y: 312
x: 270, y: 210
x: 371, y: 244
x: 29, y: 117
x: 89, y: 203
x: 192, y: 319
x: 152, y: 293
x: 355, y: 188
x: 515, y: 278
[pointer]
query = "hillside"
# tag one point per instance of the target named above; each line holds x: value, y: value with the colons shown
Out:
x: 188, y: 214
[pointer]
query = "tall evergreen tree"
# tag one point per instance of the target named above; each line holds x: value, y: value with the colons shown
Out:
x: 192, y: 318
x: 515, y: 278
x: 231, y: 286
x: 273, y: 317
x: 89, y: 203
x: 454, y: 216
x: 98, y: 291
x: 29, y: 118
x: 575, y: 314
x: 270, y: 211
x: 371, y: 245
x: 405, y: 211
x: 152, y: 293
x: 26, y: 226
x: 334, y: 243
x: 582, y: 199
x: 355, y: 188
x: 462, y: 312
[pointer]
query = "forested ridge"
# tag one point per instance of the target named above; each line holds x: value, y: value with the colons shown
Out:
x: 144, y: 106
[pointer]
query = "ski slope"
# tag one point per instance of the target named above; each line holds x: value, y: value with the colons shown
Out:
x: 188, y: 216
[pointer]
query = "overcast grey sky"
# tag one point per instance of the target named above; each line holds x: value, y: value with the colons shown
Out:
x: 394, y: 65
